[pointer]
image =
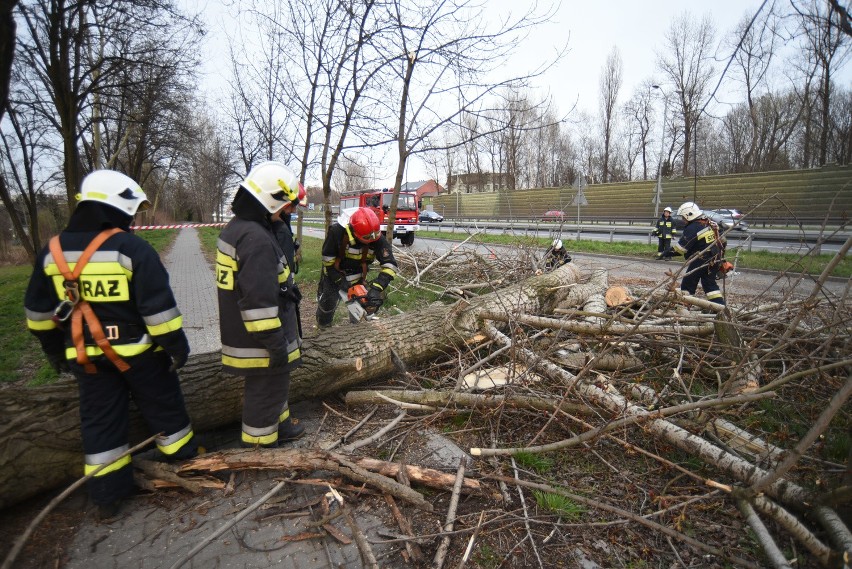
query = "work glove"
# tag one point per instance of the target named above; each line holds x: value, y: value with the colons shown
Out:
x: 338, y: 278
x: 375, y: 298
x: 278, y: 358
x: 178, y: 361
x: 177, y: 346
x: 58, y: 362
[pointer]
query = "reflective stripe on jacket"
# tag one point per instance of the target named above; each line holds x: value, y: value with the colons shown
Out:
x: 255, y: 316
x: 133, y: 311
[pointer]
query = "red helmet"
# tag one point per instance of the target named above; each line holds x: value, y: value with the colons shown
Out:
x: 365, y: 225
x: 302, y: 200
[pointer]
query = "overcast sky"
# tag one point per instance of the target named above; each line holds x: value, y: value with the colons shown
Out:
x: 636, y: 27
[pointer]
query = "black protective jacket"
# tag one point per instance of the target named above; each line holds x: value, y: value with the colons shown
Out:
x: 700, y: 241
x: 345, y: 260
x: 665, y: 228
x: 257, y: 310
x: 125, y: 283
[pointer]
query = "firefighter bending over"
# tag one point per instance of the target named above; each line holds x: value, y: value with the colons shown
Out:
x: 99, y: 301
x: 258, y: 304
x: 556, y: 255
x: 703, y: 248
x: 351, y: 244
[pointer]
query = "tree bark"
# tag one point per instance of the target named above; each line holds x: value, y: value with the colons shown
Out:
x: 40, y: 446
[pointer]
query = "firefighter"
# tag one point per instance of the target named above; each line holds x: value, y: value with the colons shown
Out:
x: 702, y: 246
x: 664, y: 232
x: 556, y: 255
x: 100, y: 303
x: 351, y: 244
x: 258, y: 304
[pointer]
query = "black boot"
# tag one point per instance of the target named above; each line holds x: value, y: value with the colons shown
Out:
x: 290, y: 430
x: 108, y: 512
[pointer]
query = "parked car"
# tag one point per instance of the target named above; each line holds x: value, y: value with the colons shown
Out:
x: 429, y: 216
x: 726, y: 220
x: 553, y: 215
x: 732, y: 212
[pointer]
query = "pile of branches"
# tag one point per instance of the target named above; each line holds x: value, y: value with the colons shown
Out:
x: 739, y: 411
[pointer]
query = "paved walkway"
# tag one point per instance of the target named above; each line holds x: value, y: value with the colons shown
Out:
x: 194, y: 285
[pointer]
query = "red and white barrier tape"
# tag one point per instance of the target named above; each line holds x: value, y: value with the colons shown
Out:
x: 177, y: 226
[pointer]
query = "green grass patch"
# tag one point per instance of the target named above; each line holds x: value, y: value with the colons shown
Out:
x: 562, y: 506
x: 486, y: 557
x: 762, y: 260
x: 160, y: 239
x: 536, y: 462
x: 21, y: 354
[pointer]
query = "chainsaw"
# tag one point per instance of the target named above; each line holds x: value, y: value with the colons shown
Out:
x: 356, y: 303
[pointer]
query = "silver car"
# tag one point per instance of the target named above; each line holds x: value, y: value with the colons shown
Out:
x: 726, y: 220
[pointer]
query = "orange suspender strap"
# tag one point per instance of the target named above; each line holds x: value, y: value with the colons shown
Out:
x: 83, y: 309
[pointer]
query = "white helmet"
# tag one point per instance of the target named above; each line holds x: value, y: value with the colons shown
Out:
x: 557, y: 244
x: 114, y: 189
x: 689, y: 211
x: 668, y: 209
x: 272, y: 184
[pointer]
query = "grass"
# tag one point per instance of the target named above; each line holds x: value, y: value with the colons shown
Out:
x: 560, y: 505
x: 761, y: 260
x: 22, y: 350
x: 534, y: 461
x: 159, y: 239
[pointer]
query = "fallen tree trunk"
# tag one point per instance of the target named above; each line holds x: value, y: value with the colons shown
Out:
x: 40, y: 446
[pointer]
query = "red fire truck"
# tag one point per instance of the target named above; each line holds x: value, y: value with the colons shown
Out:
x: 405, y: 223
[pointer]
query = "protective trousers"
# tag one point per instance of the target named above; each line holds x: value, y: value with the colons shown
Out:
x: 104, y: 418
x: 663, y: 243
x: 265, y: 406
x: 700, y: 271
x: 328, y: 297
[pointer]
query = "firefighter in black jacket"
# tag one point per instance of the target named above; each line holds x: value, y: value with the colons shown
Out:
x: 351, y: 245
x: 556, y: 255
x: 703, y: 248
x: 258, y: 304
x: 99, y: 301
x: 664, y: 231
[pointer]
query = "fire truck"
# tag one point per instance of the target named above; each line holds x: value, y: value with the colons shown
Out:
x: 406, y: 221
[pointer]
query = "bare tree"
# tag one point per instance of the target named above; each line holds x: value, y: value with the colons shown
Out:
x: 258, y: 83
x: 7, y: 49
x: 21, y: 147
x: 638, y: 113
x: 443, y: 49
x: 610, y: 85
x: 687, y: 65
x: 350, y: 175
x: 69, y: 52
x: 828, y: 47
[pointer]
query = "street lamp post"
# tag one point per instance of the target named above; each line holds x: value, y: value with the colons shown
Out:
x: 658, y: 195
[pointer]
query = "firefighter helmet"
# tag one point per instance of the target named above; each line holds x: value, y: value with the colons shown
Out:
x: 667, y: 209
x: 557, y: 244
x: 365, y: 225
x: 689, y: 211
x: 114, y: 189
x: 273, y: 184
